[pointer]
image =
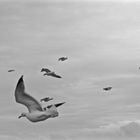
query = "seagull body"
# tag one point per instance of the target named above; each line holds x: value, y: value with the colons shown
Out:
x: 62, y: 58
x: 36, y: 116
x: 107, y: 88
x: 49, y: 73
x: 36, y: 112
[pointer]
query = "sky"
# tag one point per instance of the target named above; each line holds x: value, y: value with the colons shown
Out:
x: 101, y: 41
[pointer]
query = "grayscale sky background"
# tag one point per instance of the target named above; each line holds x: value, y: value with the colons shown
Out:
x: 102, y: 42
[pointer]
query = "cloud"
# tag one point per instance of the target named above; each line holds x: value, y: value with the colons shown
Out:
x: 6, y: 137
x: 121, y: 129
x: 131, y: 129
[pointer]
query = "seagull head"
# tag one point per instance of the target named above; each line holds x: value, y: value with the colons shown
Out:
x: 22, y: 115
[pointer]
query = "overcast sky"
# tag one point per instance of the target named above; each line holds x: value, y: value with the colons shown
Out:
x: 102, y: 43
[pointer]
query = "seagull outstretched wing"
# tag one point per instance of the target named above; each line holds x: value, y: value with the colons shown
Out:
x: 23, y: 98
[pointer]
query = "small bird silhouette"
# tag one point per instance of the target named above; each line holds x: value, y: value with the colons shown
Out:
x: 11, y: 70
x: 107, y: 88
x: 36, y: 112
x: 46, y: 99
x: 49, y: 73
x: 62, y: 58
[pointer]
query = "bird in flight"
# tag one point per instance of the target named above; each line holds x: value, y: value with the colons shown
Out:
x: 62, y: 58
x: 35, y: 112
x: 46, y: 99
x: 11, y: 70
x: 50, y: 73
x: 107, y: 88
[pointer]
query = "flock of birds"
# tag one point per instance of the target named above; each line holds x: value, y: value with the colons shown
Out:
x: 36, y: 112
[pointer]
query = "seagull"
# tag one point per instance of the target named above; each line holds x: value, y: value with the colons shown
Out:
x: 35, y: 111
x: 11, y: 70
x: 107, y: 88
x: 62, y: 58
x: 45, y: 70
x: 50, y: 73
x: 46, y: 99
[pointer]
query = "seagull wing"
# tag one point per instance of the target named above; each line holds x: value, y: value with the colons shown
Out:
x: 54, y: 75
x: 23, y: 98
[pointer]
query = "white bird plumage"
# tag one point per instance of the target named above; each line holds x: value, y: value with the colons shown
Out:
x: 36, y: 112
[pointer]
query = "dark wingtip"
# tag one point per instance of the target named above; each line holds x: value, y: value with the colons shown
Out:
x: 21, y: 77
x: 19, y: 87
x: 20, y: 80
x: 58, y: 76
x: 59, y: 104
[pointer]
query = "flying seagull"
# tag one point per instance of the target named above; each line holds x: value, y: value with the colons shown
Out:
x: 36, y: 112
x: 49, y: 73
x: 62, y: 58
x: 46, y: 99
x: 11, y: 70
x: 45, y: 70
x: 107, y: 88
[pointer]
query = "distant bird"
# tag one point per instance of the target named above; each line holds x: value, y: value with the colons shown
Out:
x: 11, y: 70
x: 49, y: 73
x: 46, y: 99
x: 62, y: 58
x: 107, y: 88
x: 36, y: 112
x: 45, y: 70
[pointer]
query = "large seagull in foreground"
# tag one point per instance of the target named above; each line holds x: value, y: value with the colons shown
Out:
x: 36, y: 112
